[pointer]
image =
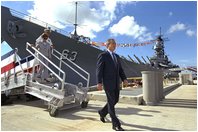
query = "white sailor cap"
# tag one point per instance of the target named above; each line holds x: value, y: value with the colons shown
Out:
x: 47, y: 31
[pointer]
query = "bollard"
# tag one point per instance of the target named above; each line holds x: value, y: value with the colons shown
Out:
x: 186, y: 78
x: 180, y: 78
x: 156, y: 87
x: 160, y: 90
x: 149, y: 87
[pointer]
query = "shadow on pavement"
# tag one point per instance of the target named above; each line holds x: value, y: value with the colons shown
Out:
x: 71, y: 113
x: 171, y: 90
x: 145, y: 128
x: 183, y: 103
x: 134, y: 111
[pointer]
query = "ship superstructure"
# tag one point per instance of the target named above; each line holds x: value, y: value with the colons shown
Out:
x: 160, y: 59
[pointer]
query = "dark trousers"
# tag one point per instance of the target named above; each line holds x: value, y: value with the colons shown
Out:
x: 112, y: 99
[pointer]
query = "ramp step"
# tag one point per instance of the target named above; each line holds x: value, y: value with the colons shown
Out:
x: 51, y: 80
x: 69, y: 99
x: 40, y: 96
x: 48, y: 89
x: 44, y: 92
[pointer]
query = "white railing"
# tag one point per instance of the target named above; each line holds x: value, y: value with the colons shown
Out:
x: 19, y: 61
x: 36, y: 51
x: 61, y: 61
x: 37, y: 21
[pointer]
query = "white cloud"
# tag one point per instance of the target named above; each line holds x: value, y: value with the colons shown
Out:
x: 181, y: 27
x: 54, y: 13
x: 128, y: 26
x: 190, y: 32
x: 62, y: 14
x: 170, y: 13
x: 109, y: 8
x: 177, y: 27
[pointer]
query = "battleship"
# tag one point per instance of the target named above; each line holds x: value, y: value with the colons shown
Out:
x: 17, y: 31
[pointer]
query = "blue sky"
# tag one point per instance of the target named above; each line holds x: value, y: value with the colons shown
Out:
x: 127, y: 22
x: 5, y: 48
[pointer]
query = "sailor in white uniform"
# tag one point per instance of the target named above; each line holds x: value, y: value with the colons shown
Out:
x: 44, y: 45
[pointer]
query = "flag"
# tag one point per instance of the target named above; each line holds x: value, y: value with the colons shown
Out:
x: 8, y: 61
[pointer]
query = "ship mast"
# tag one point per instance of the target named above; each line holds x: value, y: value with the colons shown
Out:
x: 75, y: 31
x: 160, y: 32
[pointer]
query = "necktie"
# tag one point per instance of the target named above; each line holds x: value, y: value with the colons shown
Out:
x: 114, y: 59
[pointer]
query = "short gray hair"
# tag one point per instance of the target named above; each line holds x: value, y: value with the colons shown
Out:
x: 109, y: 41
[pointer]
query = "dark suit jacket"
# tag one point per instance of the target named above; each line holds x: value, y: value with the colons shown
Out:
x: 107, y: 73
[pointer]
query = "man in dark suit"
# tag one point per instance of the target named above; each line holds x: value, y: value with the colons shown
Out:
x: 108, y: 71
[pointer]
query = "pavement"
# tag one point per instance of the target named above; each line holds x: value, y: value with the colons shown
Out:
x: 177, y: 112
x: 130, y: 95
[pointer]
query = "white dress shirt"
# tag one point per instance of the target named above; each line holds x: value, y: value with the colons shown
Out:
x: 111, y: 53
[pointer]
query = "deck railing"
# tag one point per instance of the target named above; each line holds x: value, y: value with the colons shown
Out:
x: 37, y: 21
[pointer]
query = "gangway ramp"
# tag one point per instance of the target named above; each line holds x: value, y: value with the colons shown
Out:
x: 57, y: 93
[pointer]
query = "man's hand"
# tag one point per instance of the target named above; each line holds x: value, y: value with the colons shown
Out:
x: 125, y: 83
x: 99, y: 86
x: 52, y: 46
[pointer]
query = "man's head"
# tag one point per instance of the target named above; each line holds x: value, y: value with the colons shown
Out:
x: 45, y: 36
x: 111, y: 44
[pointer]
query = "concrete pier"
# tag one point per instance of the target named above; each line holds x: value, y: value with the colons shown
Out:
x: 177, y: 112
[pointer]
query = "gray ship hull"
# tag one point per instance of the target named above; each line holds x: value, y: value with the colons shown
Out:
x: 86, y: 54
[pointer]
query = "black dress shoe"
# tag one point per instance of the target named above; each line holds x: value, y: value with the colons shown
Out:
x: 117, y: 128
x: 101, y: 118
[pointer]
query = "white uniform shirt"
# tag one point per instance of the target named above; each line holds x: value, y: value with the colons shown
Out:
x: 40, y: 39
x: 44, y: 46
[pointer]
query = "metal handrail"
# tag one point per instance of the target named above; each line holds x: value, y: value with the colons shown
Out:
x: 62, y: 80
x: 17, y: 57
x: 61, y: 61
